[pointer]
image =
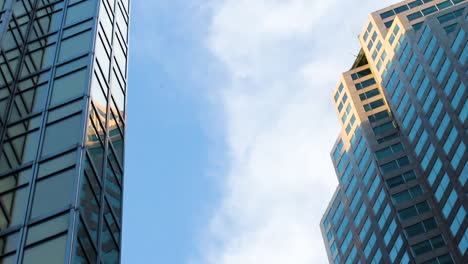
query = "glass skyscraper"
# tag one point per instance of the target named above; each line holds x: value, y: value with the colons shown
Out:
x: 63, y: 79
x: 401, y: 156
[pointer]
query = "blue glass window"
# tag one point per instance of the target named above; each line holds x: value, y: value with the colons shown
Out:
x: 390, y: 150
x: 374, y: 186
x: 391, y: 81
x: 351, y: 186
x: 464, y: 175
x: 443, y: 126
x: 443, y: 71
x: 378, y: 201
x: 414, y: 130
x: 442, y: 187
x: 400, y: 179
x: 363, y: 163
x: 434, y: 172
x: 356, y: 135
x: 421, y: 142
x: 342, y: 228
x: 406, y: 195
x: 360, y: 74
x: 430, y: 48
x: 383, y: 218
x: 361, y: 213
x: 458, y: 41
x: 405, y: 54
x: 445, y: 5
x: 346, y: 241
x: 401, y: 9
x: 338, y: 213
x: 374, y: 104
x: 423, y: 88
x: 337, y: 152
x: 424, y: 36
x: 410, y: 66
x: 377, y: 257
x: 333, y: 248
x: 383, y: 128
x: 414, y: 15
x: 429, y: 10
x: 450, y: 83
x: 450, y: 142
x: 326, y: 222
x: 330, y: 235
x: 352, y: 256
x: 387, y: 14
x: 427, y: 157
x: 429, y: 99
x: 463, y: 244
x: 416, y: 76
x: 390, y: 231
x: 458, y: 155
x: 365, y: 84
x: 348, y: 129
x: 395, y: 164
x: 356, y: 200
x: 421, y: 227
x: 378, y: 116
x: 342, y: 163
x: 369, y: 173
x: 397, y: 93
x: 428, y: 245
x: 364, y: 230
x: 359, y: 148
x: 458, y: 96
x: 346, y: 174
x: 369, y: 245
x: 463, y: 55
x: 414, y: 210
x: 436, y: 113
x: 403, y: 104
x: 396, y: 248
x: 463, y: 113
x: 369, y: 94
x: 405, y: 259
x: 436, y: 60
x: 450, y: 203
x: 408, y: 117
x: 458, y: 221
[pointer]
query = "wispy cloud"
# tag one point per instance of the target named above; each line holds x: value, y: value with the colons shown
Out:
x: 283, y: 59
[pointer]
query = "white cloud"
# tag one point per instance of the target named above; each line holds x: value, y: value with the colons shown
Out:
x: 283, y: 59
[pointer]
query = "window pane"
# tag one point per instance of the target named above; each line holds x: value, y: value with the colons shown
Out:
x: 61, y: 162
x: 8, y: 244
x: 19, y: 150
x: 62, y: 134
x: 69, y: 86
x: 53, y: 193
x: 13, y: 207
x: 80, y: 11
x: 65, y: 110
x: 76, y: 45
x: 50, y: 252
x: 10, y: 259
x: 48, y: 228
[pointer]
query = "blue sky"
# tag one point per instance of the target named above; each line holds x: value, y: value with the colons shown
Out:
x: 229, y: 127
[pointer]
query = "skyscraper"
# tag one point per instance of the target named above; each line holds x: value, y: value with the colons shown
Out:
x: 63, y: 79
x: 401, y: 156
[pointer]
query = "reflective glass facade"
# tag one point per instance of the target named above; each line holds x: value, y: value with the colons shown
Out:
x: 63, y: 79
x: 401, y: 156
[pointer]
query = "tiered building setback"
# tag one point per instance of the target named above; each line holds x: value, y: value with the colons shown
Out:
x: 401, y: 156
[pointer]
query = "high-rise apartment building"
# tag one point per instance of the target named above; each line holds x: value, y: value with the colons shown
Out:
x: 401, y: 156
x: 63, y: 79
